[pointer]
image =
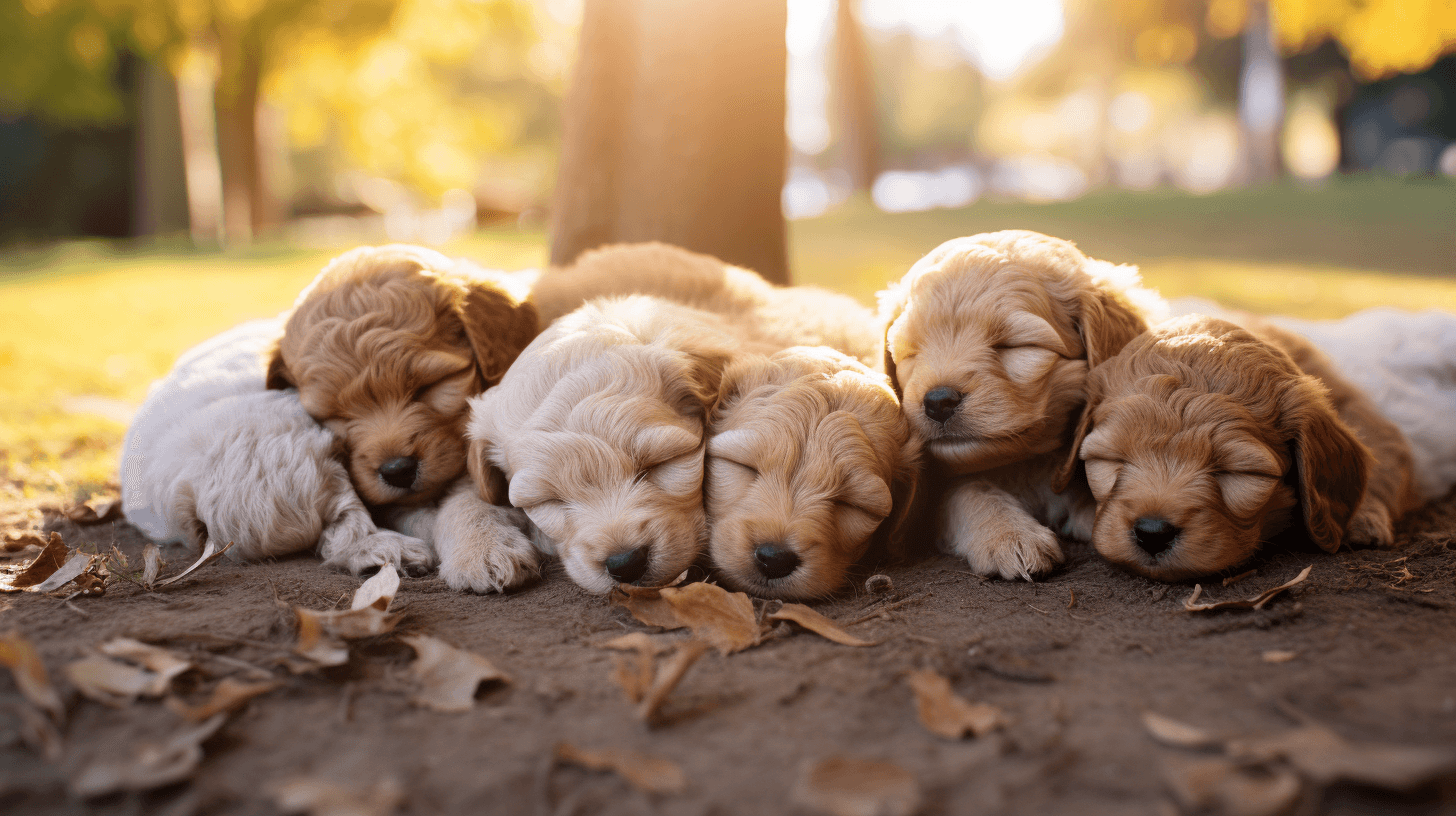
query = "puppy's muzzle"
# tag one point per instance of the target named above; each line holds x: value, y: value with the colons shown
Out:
x: 629, y: 566
x: 941, y: 403
x: 1154, y: 534
x: 400, y: 471
x: 775, y: 560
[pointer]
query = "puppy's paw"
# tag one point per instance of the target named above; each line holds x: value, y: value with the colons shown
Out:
x: 493, y: 560
x: 1370, y: 526
x: 1012, y: 551
x: 383, y: 547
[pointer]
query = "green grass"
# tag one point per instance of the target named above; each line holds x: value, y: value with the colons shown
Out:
x: 85, y: 326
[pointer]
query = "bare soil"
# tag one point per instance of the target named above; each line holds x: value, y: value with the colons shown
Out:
x: 1074, y: 660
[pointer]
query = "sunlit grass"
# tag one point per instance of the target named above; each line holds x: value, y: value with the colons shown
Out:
x: 85, y: 327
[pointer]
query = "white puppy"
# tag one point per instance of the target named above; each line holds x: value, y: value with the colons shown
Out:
x: 212, y: 455
x: 597, y: 433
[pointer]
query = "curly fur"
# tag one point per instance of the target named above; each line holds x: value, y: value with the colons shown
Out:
x: 385, y: 347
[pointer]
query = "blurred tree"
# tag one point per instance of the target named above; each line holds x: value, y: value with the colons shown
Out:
x: 674, y: 131
x: 855, y: 91
x: 1382, y: 37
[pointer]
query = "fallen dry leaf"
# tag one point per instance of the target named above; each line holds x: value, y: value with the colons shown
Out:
x: 673, y: 669
x: 151, y: 564
x: 818, y: 624
x: 1279, y: 656
x: 15, y: 542
x: 647, y: 773
x: 163, y: 663
x: 379, y: 590
x: 946, y: 713
x: 52, y: 557
x: 19, y: 655
x: 725, y: 620
x: 210, y: 553
x: 94, y: 512
x: 647, y: 605
x: 1217, y: 785
x: 111, y: 681
x: 1326, y: 757
x: 228, y: 696
x: 1179, y: 735
x: 78, y: 564
x: 1256, y: 602
x: 147, y: 766
x: 448, y: 676
x: 320, y: 798
x: 849, y: 786
x: 321, y: 634
x: 635, y: 673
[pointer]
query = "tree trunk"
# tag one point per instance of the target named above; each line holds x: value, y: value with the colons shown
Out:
x: 236, y: 99
x: 855, y: 90
x: 674, y: 131
x: 160, y: 203
x: 1261, y: 95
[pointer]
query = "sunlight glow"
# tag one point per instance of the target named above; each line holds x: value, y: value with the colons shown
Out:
x: 1000, y: 37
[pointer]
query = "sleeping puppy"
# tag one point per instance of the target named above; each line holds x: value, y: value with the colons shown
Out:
x: 212, y: 455
x: 1203, y: 439
x: 810, y: 460
x: 385, y: 347
x: 810, y: 463
x: 989, y: 339
x: 597, y: 433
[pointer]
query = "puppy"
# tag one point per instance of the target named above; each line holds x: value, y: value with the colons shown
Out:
x: 989, y: 339
x: 385, y: 347
x: 597, y: 433
x: 1202, y: 439
x: 213, y: 455
x: 810, y: 462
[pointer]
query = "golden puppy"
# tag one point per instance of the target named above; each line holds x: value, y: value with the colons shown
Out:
x: 990, y: 339
x: 810, y: 460
x: 1202, y: 439
x: 597, y: 433
x: 385, y: 347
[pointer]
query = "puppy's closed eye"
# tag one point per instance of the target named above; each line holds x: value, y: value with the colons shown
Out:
x: 1102, y: 476
x: 1028, y: 363
x: 447, y: 395
x: 1245, y: 493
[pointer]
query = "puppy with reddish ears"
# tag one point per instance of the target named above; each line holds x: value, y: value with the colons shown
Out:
x: 1202, y: 439
x: 989, y: 340
x: 385, y: 347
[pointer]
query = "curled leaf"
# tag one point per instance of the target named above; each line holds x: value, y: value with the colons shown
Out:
x: 52, y: 557
x: 1256, y: 602
x: 635, y: 673
x: 94, y: 512
x: 673, y: 669
x: 19, y: 655
x: 945, y: 713
x: 321, y: 634
x: 228, y: 696
x: 108, y: 681
x: 147, y: 766
x: 647, y: 605
x: 818, y: 624
x: 448, y: 676
x: 1279, y: 656
x: 849, y: 786
x: 15, y: 542
x: 1179, y: 735
x: 151, y: 564
x: 162, y: 663
x: 321, y: 798
x: 647, y: 773
x: 210, y: 553
x: 379, y: 590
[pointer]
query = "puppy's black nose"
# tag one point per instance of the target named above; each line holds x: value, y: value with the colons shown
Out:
x: 775, y: 561
x: 399, y: 471
x: 1154, y: 534
x: 626, y: 567
x: 940, y: 403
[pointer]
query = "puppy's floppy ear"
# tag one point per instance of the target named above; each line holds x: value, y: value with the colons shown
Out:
x: 892, y: 304
x: 703, y: 376
x: 1068, y: 467
x: 890, y: 538
x: 1331, y: 464
x: 277, y: 377
x: 498, y: 324
x: 490, y: 481
x: 744, y: 374
x: 1107, y: 323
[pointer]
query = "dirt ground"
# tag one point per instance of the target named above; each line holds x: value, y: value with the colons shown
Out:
x: 1073, y: 661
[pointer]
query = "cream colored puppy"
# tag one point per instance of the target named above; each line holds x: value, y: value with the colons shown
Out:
x: 989, y: 339
x: 597, y: 434
x: 810, y: 463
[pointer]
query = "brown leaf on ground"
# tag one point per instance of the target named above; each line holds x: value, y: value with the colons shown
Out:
x: 673, y: 669
x: 52, y: 557
x: 723, y: 619
x: 647, y: 773
x: 1256, y: 602
x: 818, y: 624
x: 849, y: 786
x: 228, y: 696
x: 945, y: 713
x: 77, y: 565
x: 111, y: 682
x: 1217, y: 785
x: 634, y: 673
x: 379, y: 590
x: 321, y: 634
x: 19, y: 655
x: 448, y: 676
x: 647, y: 605
x: 210, y: 553
x: 1325, y: 757
x: 1179, y: 735
x: 94, y: 512
x: 147, y: 766
x: 151, y: 564
x: 320, y: 798
x: 1278, y: 656
x: 15, y: 542
x: 163, y: 663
